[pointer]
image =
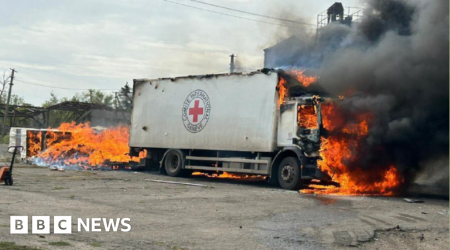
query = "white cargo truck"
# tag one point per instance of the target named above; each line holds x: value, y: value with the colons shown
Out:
x: 232, y: 123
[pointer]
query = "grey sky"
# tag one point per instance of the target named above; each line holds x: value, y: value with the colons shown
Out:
x: 102, y: 44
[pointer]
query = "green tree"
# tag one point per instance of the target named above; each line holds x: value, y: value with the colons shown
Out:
x: 126, y: 97
x: 94, y: 96
x: 52, y: 101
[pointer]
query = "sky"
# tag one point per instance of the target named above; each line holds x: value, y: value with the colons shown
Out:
x: 102, y: 44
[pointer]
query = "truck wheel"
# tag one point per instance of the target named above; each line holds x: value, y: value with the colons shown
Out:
x: 174, y: 163
x: 289, y: 174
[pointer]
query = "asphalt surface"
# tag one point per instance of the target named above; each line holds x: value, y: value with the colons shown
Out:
x: 226, y: 214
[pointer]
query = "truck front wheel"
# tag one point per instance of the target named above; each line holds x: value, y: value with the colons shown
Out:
x: 174, y: 163
x: 289, y: 174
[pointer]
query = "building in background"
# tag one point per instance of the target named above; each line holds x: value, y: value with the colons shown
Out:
x: 294, y: 51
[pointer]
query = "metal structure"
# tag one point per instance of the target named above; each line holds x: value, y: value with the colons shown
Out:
x: 39, y: 117
x: 17, y: 112
x: 337, y: 13
x: 227, y: 122
x: 76, y: 110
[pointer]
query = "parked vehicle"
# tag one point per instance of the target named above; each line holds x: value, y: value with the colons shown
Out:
x: 234, y: 123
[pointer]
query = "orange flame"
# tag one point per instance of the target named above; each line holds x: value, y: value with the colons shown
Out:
x: 34, y: 142
x: 226, y: 175
x: 341, y: 149
x: 307, y: 117
x: 282, y: 90
x: 88, y: 147
x: 299, y: 75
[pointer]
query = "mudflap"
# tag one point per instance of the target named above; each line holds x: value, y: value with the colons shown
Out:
x: 310, y: 171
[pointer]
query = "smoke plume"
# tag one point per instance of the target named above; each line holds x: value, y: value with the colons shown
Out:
x: 395, y: 62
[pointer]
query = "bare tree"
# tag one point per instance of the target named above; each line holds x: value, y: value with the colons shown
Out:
x: 4, y: 80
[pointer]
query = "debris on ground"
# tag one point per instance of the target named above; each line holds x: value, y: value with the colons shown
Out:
x: 413, y: 201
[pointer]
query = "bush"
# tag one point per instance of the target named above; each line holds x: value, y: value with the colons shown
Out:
x: 5, y: 139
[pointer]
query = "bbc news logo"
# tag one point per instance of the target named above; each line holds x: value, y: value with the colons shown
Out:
x: 63, y: 225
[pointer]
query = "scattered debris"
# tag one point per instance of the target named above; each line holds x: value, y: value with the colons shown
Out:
x: 443, y: 213
x: 179, y: 183
x: 413, y: 201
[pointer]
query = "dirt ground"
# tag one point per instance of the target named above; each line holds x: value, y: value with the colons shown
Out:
x: 226, y: 214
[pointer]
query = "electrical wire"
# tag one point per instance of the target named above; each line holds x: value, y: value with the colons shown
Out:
x: 47, y: 86
x: 220, y: 13
x: 254, y: 14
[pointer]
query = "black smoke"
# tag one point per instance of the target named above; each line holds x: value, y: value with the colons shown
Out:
x: 396, y: 62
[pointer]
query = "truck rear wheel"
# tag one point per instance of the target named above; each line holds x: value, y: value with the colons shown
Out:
x: 289, y: 174
x: 174, y: 163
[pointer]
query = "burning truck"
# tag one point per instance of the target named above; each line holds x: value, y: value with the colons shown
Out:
x: 234, y: 123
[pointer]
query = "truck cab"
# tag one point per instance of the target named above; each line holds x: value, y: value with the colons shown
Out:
x: 300, y: 130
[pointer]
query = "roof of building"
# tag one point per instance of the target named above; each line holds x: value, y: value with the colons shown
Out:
x: 289, y: 42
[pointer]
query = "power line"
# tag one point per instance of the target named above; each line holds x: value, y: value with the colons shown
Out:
x: 254, y: 14
x: 47, y: 86
x: 220, y: 13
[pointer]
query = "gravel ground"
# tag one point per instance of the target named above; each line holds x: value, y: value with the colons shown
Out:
x: 227, y: 214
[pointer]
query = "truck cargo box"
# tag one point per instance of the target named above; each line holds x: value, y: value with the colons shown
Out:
x: 212, y: 112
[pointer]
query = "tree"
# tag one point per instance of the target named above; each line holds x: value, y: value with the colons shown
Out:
x: 94, y: 96
x: 52, y: 101
x: 126, y: 97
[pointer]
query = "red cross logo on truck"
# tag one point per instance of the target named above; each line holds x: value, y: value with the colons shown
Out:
x: 196, y: 110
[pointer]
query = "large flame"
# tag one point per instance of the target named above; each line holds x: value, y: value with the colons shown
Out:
x: 302, y: 78
x: 34, y: 142
x: 307, y: 117
x: 282, y: 90
x: 83, y: 146
x: 342, y: 149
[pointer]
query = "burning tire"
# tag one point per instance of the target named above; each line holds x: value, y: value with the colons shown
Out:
x: 174, y: 163
x: 289, y: 174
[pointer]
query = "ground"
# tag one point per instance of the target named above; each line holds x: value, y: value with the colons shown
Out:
x: 223, y: 215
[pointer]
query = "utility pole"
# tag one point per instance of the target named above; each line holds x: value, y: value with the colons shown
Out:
x: 7, y: 102
x: 116, y: 102
x: 232, y: 66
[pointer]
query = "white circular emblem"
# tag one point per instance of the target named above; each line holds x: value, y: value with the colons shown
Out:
x: 195, y: 112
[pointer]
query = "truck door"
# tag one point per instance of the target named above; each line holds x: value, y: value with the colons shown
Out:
x: 287, y: 124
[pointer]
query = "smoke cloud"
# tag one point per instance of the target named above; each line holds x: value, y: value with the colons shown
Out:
x: 395, y: 62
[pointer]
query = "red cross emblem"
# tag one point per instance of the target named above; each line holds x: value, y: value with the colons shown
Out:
x: 196, y: 111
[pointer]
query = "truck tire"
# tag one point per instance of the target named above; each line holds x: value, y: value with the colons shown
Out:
x: 174, y: 163
x: 289, y: 174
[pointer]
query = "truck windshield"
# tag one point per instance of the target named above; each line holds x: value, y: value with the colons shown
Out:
x: 307, y: 116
